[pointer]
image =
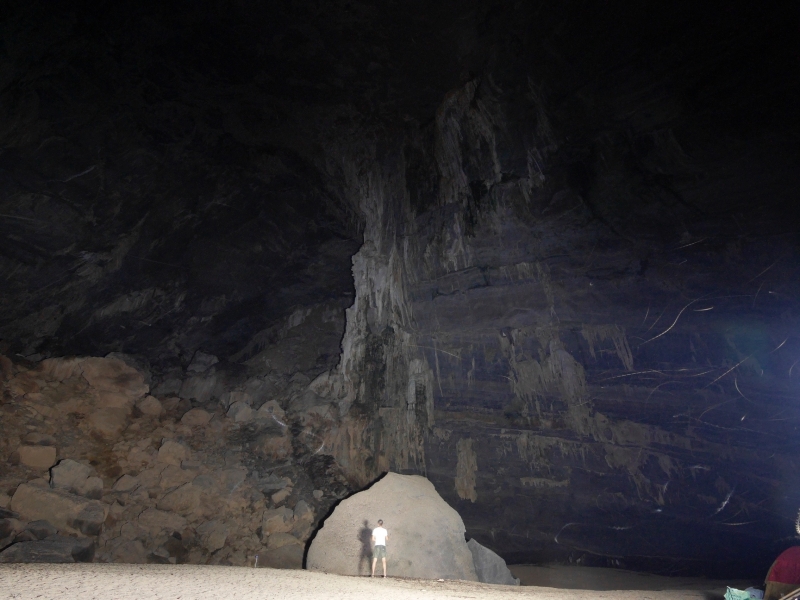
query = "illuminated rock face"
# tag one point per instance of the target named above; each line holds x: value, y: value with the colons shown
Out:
x: 543, y: 255
x: 426, y: 536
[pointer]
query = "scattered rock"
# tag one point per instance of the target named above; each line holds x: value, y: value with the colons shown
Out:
x: 60, y: 369
x: 183, y: 500
x: 212, y: 535
x: 285, y: 557
x: 6, y: 368
x: 92, y: 488
x: 37, y: 457
x: 54, y: 549
x: 171, y: 385
x: 201, y: 362
x: 230, y: 479
x: 229, y: 398
x: 24, y: 536
x: 69, y: 473
x: 318, y: 494
x: 240, y: 412
x: 5, y: 500
x: 276, y: 520
x: 171, y: 403
x: 161, y: 556
x: 9, y: 528
x: 109, y: 421
x: 490, y: 567
x: 273, y: 447
x: 39, y: 439
x: 272, y: 410
x: 281, y: 495
x: 201, y: 387
x: 196, y: 417
x: 126, y: 483
x: 68, y: 512
x: 157, y: 521
x: 278, y: 540
x: 140, y: 363
x: 41, y: 529
x: 129, y: 551
x: 150, y: 406
x: 172, y: 453
x: 426, y: 535
x: 303, y: 512
x: 113, y: 375
x: 172, y: 477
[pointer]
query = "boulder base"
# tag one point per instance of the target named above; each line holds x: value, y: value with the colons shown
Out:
x: 69, y: 513
x: 490, y: 567
x: 426, y: 536
x: 285, y: 557
x: 37, y: 457
x: 54, y: 549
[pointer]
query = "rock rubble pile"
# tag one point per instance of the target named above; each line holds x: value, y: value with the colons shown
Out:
x: 97, y: 468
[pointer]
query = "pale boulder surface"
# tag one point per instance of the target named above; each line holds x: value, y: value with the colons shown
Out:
x: 489, y: 566
x: 426, y: 535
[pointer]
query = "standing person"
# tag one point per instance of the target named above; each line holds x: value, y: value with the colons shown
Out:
x: 379, y: 536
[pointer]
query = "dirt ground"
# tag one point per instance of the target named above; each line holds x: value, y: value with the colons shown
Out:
x: 188, y: 582
x: 590, y: 578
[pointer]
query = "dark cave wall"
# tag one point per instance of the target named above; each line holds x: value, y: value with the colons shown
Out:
x: 147, y: 207
x: 609, y: 323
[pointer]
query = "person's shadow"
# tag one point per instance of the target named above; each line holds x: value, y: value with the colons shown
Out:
x: 365, y: 537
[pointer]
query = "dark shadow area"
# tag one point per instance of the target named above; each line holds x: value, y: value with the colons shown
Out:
x: 364, y: 537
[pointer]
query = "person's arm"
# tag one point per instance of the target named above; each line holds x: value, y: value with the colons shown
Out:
x: 373, y: 537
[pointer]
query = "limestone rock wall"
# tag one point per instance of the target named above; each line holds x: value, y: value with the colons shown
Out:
x: 88, y: 452
x: 593, y: 399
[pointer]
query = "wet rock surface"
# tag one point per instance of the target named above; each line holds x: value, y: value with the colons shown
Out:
x: 543, y: 255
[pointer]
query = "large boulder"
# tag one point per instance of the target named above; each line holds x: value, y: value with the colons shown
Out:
x: 172, y: 453
x: 9, y: 528
x: 68, y: 512
x: 115, y: 382
x: 490, y: 567
x: 426, y: 536
x: 77, y: 478
x: 54, y: 549
x: 37, y: 457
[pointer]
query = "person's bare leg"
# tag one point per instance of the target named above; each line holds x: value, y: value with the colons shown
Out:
x: 374, y: 562
x: 384, y: 567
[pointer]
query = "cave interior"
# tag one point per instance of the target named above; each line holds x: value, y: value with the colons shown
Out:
x: 544, y: 253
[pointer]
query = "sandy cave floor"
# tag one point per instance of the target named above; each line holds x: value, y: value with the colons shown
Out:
x: 187, y: 582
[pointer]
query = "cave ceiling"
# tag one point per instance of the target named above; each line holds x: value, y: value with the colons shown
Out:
x: 544, y: 253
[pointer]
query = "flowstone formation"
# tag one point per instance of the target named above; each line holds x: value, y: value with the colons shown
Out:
x: 426, y: 536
